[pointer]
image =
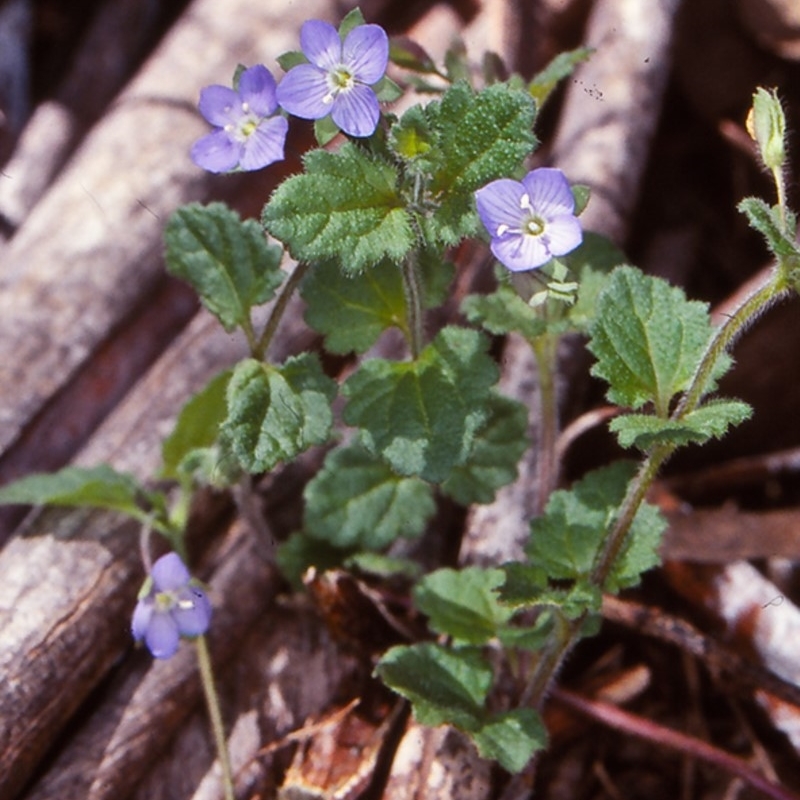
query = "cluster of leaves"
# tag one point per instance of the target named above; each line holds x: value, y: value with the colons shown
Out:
x: 371, y: 222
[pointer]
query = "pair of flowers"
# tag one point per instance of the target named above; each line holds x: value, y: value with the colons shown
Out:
x: 336, y: 81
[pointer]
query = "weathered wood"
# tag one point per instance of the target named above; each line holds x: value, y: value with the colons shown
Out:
x: 89, y: 251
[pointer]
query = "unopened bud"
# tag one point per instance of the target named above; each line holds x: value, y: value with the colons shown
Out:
x: 766, y: 124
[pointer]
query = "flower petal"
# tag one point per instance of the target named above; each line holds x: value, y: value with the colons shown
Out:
x: 169, y: 573
x: 563, y: 234
x: 519, y: 253
x: 141, y: 618
x: 220, y: 105
x: 321, y: 44
x: 356, y: 111
x: 257, y: 89
x: 499, y: 204
x: 216, y: 152
x: 265, y: 144
x: 366, y: 53
x: 549, y: 192
x: 192, y: 614
x: 302, y: 92
x: 162, y: 635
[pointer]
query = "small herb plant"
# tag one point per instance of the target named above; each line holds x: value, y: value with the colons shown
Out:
x: 367, y: 233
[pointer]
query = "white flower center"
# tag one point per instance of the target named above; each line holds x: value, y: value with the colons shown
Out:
x: 339, y: 80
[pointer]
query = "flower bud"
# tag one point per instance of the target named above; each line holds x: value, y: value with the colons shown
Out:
x: 766, y: 124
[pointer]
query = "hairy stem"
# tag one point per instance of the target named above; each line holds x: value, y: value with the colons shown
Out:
x: 413, y: 293
x: 545, y: 349
x: 259, y: 348
x: 214, y: 713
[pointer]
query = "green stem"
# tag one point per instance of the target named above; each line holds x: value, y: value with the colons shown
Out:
x: 259, y: 348
x: 413, y: 294
x: 212, y: 702
x: 545, y: 349
x: 564, y: 638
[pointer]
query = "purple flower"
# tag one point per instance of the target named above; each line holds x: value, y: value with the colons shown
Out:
x: 530, y: 221
x: 170, y: 606
x: 247, y: 134
x: 338, y: 78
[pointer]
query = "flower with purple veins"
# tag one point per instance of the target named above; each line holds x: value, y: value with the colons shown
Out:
x: 339, y: 76
x: 529, y: 221
x: 170, y: 606
x: 248, y: 135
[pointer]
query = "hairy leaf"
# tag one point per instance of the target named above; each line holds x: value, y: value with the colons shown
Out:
x: 478, y: 137
x: 356, y: 500
x: 710, y: 421
x: 504, y: 311
x: 422, y: 415
x: 647, y: 338
x: 511, y: 738
x: 463, y: 603
x: 492, y: 461
x: 345, y: 207
x: 197, y: 425
x: 275, y: 413
x: 226, y: 260
x: 445, y: 685
x: 92, y: 487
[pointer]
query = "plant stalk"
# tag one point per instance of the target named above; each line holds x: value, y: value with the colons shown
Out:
x: 259, y: 348
x: 413, y: 294
x: 215, y: 715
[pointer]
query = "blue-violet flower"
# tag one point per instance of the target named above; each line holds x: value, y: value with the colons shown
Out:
x: 170, y: 606
x: 338, y: 77
x: 247, y: 135
x: 529, y: 221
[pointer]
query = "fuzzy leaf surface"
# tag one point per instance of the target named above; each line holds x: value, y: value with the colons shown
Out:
x: 226, y: 260
x: 511, y: 738
x: 92, y: 487
x: 422, y: 415
x: 463, y: 603
x: 710, y: 421
x: 647, y: 338
x: 492, y: 461
x: 477, y: 138
x: 504, y: 311
x: 275, y: 413
x: 566, y: 538
x: 357, y: 501
x: 345, y: 207
x: 445, y: 685
x: 766, y: 221
x: 352, y: 312
x: 197, y: 425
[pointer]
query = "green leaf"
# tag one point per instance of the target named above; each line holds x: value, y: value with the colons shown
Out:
x: 357, y: 501
x: 562, y: 66
x: 226, y: 260
x: 526, y: 586
x: 492, y: 461
x: 647, y: 338
x: 511, y: 738
x: 422, y: 415
x: 767, y: 222
x: 325, y: 130
x: 409, y: 55
x: 445, y: 685
x: 504, y: 311
x: 352, y: 312
x: 351, y: 20
x: 197, y: 425
x: 478, y: 138
x: 565, y: 540
x: 411, y: 137
x: 591, y: 264
x: 275, y: 413
x: 386, y: 90
x: 711, y: 420
x: 463, y: 603
x: 345, y: 208
x: 93, y: 487
x: 291, y: 59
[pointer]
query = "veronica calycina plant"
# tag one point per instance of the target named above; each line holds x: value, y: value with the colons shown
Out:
x: 372, y: 222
